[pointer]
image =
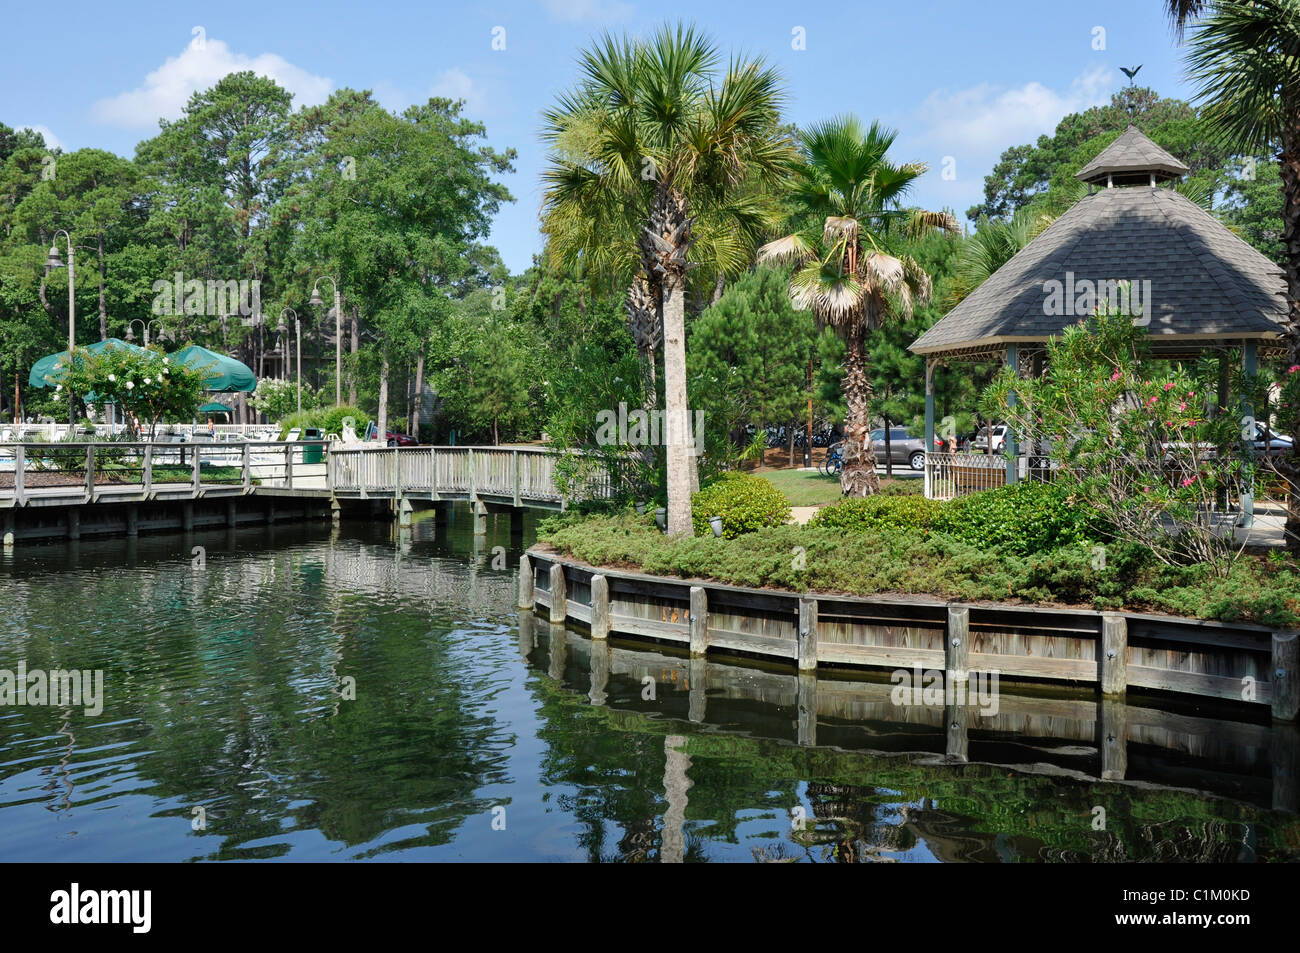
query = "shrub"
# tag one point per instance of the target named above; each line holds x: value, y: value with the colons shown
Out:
x: 872, y: 513
x: 902, y: 488
x: 328, y: 419
x: 744, y: 502
x: 1021, y: 518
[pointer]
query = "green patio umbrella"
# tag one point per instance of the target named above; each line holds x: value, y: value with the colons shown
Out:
x: 221, y: 371
x: 50, y: 369
x: 215, y: 408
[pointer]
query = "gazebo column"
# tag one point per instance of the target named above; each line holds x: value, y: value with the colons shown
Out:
x: 1249, y: 366
x: 1009, y: 444
x: 929, y: 419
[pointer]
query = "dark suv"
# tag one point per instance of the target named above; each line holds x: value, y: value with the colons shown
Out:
x: 903, y: 447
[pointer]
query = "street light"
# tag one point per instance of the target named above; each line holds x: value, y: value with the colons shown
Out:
x: 297, y: 333
x: 316, y: 302
x: 145, y: 325
x: 54, y: 261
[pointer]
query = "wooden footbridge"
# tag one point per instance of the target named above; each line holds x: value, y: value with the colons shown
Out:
x: 65, y: 489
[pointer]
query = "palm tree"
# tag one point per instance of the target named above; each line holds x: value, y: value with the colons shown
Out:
x: 652, y: 153
x: 1245, y: 59
x: 849, y: 270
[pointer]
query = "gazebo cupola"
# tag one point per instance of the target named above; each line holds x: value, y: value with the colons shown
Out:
x: 1201, y: 288
x: 1132, y: 159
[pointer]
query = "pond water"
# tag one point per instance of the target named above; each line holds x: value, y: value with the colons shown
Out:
x: 369, y: 694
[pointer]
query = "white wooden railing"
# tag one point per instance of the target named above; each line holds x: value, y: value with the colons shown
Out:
x: 504, y: 474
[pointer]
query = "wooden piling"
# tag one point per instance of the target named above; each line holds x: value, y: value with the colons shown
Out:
x: 74, y: 523
x: 1112, y: 665
x: 699, y: 621
x: 599, y: 607
x: 1112, y: 739
x: 1286, y: 675
x: 559, y: 597
x: 807, y: 634
x: 956, y: 720
x: 806, y: 701
x: 525, y: 600
x: 133, y: 521
x: 956, y: 645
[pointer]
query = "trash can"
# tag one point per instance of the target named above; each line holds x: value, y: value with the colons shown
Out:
x: 316, y: 452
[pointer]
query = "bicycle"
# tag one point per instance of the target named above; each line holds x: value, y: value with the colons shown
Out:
x: 833, y: 463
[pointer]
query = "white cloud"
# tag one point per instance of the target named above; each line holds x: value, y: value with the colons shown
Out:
x: 972, y: 127
x: 455, y: 83
x: 582, y: 11
x: 167, y: 89
x: 51, y: 140
x: 987, y: 118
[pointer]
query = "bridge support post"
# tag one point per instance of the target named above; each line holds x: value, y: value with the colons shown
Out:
x: 517, y: 521
x: 133, y: 521
x: 74, y: 523
x: 270, y: 511
x: 187, y: 516
x: 404, y: 510
x: 480, y: 518
x: 232, y: 515
x: 336, y: 511
x: 599, y: 607
x: 9, y: 530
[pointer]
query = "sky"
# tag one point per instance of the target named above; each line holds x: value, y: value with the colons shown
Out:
x: 960, y: 80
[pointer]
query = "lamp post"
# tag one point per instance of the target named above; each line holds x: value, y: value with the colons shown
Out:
x: 54, y: 261
x: 316, y: 301
x: 145, y: 325
x: 297, y: 336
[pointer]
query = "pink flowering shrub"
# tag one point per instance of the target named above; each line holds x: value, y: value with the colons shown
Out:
x: 1130, y: 438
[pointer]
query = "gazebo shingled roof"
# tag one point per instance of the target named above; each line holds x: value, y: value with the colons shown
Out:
x: 1131, y: 154
x: 1207, y: 285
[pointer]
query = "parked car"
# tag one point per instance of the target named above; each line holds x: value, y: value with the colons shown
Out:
x: 1277, y: 444
x: 903, y: 447
x: 998, y: 434
x: 391, y: 437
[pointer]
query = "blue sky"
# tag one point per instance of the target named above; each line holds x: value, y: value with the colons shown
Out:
x: 957, y: 78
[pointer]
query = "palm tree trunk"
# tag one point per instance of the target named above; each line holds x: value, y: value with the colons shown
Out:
x: 858, y: 477
x: 1290, y: 168
x: 680, y: 454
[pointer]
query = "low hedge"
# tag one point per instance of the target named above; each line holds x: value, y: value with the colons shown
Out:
x: 1021, y: 518
x: 865, y: 514
x: 745, y: 503
x: 1264, y: 590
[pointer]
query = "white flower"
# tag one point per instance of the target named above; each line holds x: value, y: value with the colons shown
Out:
x: 147, y: 381
x: 112, y: 377
x: 58, y: 387
x: 130, y: 385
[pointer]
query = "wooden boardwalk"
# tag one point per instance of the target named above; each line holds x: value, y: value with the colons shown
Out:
x: 81, y: 474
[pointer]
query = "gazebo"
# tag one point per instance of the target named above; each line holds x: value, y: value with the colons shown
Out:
x: 1197, y: 286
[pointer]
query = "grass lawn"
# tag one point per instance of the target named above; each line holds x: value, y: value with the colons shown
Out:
x: 807, y: 487
x: 804, y: 487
